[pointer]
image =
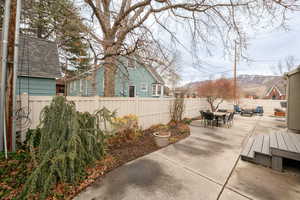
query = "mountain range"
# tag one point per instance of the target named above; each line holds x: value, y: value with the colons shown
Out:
x: 257, y: 85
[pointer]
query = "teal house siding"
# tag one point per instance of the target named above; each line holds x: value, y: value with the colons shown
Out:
x: 38, y: 67
x: 80, y: 87
x: 138, y: 76
x: 36, y: 86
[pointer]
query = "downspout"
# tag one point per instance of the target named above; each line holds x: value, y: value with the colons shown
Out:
x: 3, y: 78
x: 16, y: 63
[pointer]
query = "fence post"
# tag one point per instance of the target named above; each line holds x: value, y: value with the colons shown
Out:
x: 160, y: 110
x: 97, y: 103
x: 137, y: 109
x: 136, y: 102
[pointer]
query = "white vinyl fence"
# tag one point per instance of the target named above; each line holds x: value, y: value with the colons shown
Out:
x: 150, y: 111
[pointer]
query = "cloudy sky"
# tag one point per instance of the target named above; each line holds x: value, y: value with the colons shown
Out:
x: 265, y: 48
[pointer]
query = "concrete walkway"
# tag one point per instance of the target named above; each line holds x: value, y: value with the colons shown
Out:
x: 204, y: 166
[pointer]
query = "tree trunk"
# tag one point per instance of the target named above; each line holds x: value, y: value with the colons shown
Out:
x: 110, y: 69
x: 210, y: 101
x: 212, y: 107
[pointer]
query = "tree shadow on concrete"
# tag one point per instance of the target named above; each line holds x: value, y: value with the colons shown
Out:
x: 214, y: 136
x: 145, y: 175
x: 204, y: 148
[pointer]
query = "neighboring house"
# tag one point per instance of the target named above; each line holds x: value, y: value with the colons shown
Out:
x: 262, y: 87
x: 132, y: 79
x: 277, y: 91
x: 38, y: 67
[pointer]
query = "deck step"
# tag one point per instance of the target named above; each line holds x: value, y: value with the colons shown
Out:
x: 245, y: 155
x: 262, y: 148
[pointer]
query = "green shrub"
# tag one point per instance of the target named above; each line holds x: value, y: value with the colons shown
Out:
x: 35, y: 134
x: 69, y: 141
x: 187, y: 121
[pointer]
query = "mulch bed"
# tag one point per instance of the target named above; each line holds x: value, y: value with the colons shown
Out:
x: 142, y: 146
x: 118, y: 154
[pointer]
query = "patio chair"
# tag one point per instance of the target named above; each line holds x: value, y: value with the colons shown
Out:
x: 202, y: 121
x: 209, y: 118
x: 229, y: 121
x: 259, y: 110
x: 223, y: 120
x: 237, y: 109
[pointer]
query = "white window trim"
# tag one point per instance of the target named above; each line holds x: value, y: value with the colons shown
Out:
x: 86, y: 87
x: 156, y: 90
x: 130, y: 63
x: 71, y: 86
x: 75, y: 85
x: 152, y: 86
x: 80, y: 86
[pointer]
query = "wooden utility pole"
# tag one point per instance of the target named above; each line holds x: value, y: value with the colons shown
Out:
x: 234, y: 73
x: 10, y: 76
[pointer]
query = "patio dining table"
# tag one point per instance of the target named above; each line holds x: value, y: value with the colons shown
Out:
x: 219, y: 116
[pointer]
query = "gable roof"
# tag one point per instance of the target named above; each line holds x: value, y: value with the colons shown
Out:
x: 154, y: 73
x: 38, y: 58
x: 135, y: 59
x: 279, y: 84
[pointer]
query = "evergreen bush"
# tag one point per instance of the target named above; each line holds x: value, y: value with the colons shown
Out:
x: 69, y: 141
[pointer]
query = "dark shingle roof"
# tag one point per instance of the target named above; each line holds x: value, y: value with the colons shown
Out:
x: 38, y: 58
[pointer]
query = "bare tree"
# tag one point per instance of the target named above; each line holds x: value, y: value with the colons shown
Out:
x: 123, y: 26
x: 286, y: 65
x: 216, y: 92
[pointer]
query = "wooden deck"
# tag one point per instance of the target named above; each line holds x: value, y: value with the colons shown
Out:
x: 270, y: 149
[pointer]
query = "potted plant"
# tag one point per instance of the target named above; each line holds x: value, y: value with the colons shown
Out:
x: 162, y: 136
x: 279, y: 112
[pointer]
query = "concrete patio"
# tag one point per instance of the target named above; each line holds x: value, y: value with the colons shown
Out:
x: 204, y: 166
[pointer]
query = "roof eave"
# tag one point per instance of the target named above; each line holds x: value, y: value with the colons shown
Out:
x: 297, y: 70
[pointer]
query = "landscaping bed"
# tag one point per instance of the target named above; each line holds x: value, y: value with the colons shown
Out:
x: 120, y: 150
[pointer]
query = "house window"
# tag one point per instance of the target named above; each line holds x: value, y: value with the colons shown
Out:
x: 80, y: 86
x: 156, y: 90
x: 86, y: 87
x: 71, y: 86
x: 130, y: 63
x: 75, y: 85
x: 144, y: 87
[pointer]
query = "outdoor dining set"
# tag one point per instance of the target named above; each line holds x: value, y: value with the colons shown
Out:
x: 218, y: 118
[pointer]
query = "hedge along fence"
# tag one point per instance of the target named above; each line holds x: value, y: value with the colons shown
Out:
x: 150, y: 111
